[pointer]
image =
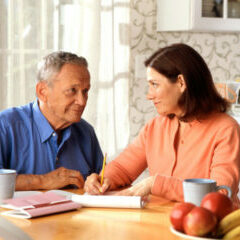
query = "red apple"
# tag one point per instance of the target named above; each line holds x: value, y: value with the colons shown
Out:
x: 218, y: 203
x: 235, y: 206
x: 199, y: 222
x: 178, y: 213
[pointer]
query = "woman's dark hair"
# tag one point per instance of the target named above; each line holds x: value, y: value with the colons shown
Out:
x: 200, y: 97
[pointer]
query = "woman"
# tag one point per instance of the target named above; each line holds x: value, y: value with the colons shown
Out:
x: 192, y: 137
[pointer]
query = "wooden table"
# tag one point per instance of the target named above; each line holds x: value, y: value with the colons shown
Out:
x: 149, y: 223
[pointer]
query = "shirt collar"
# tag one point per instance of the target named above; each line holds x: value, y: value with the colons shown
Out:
x: 189, y: 124
x: 44, y: 128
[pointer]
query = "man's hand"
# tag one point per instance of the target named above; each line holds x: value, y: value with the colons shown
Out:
x: 92, y: 184
x: 58, y: 178
x: 62, y: 177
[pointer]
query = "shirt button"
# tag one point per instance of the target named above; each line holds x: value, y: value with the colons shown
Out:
x: 54, y: 134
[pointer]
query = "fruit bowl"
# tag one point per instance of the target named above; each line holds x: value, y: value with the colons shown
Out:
x: 183, y: 235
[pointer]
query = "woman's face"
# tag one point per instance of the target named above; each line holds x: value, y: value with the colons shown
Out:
x: 164, y: 94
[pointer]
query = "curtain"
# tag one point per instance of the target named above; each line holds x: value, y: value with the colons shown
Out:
x: 97, y: 30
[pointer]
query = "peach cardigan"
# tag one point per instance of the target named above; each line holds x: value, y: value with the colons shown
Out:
x: 209, y: 148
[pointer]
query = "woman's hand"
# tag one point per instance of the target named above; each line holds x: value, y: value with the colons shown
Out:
x: 142, y: 188
x: 93, y: 184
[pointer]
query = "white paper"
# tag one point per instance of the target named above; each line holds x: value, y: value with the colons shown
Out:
x: 25, y: 193
x: 17, y: 213
x: 109, y: 201
x: 104, y: 201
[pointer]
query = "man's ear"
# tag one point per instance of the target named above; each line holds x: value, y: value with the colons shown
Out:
x: 41, y: 91
x: 181, y: 82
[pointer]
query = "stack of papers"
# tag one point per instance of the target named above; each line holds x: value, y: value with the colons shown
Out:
x: 109, y: 201
x: 55, y: 201
x: 105, y: 201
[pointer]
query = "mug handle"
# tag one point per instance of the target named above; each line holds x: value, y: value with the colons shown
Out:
x: 227, y: 188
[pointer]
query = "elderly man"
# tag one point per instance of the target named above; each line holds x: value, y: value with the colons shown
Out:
x: 46, y: 141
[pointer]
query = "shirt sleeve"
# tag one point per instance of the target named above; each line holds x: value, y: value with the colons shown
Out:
x: 129, y: 164
x: 3, y: 145
x: 224, y: 168
x: 168, y: 187
x: 226, y: 159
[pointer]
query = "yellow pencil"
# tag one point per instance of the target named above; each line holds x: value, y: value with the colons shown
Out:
x: 103, y: 166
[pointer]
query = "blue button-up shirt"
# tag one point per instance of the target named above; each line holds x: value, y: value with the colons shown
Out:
x: 29, y: 144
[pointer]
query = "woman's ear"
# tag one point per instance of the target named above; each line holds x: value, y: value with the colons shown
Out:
x: 181, y: 82
x: 41, y: 91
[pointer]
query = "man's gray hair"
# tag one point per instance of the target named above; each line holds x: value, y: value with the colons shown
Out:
x: 52, y: 64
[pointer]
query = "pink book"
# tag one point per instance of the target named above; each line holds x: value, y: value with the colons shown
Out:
x: 38, y: 205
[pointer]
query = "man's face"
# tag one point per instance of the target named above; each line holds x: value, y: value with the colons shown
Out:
x: 66, y: 97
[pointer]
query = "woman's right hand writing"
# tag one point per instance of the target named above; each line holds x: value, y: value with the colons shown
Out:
x: 93, y: 184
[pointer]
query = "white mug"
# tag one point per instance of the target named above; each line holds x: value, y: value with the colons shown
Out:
x: 194, y: 189
x: 7, y: 183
